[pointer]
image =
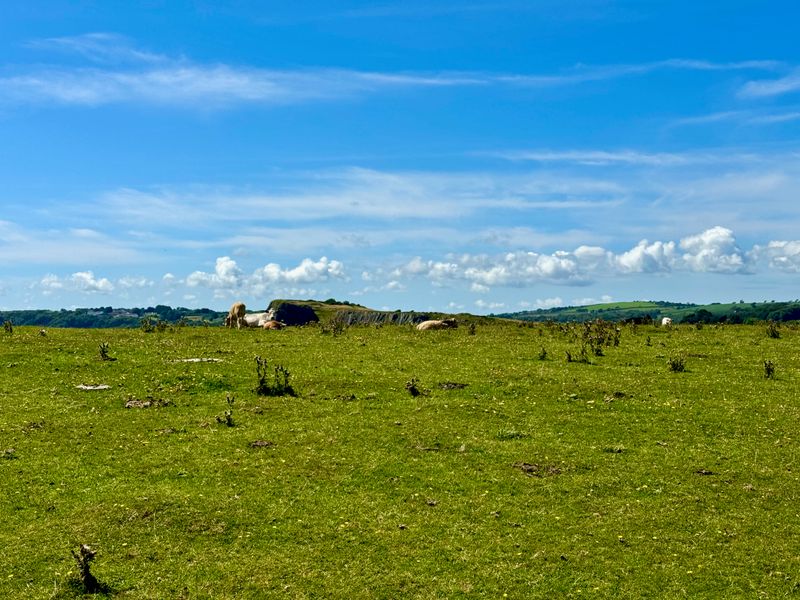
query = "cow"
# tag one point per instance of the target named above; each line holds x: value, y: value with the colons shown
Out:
x: 666, y: 322
x: 235, y: 315
x: 440, y: 324
x: 257, y: 319
x: 273, y: 324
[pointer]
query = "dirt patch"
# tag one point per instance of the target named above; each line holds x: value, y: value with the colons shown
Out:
x: 535, y: 470
x: 262, y: 444
x: 150, y: 402
x: 452, y: 385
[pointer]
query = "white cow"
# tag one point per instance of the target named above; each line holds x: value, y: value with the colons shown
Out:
x: 443, y: 324
x: 258, y: 319
x: 666, y: 322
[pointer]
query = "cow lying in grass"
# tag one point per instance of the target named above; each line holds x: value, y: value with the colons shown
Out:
x: 273, y: 324
x: 438, y: 324
x: 235, y: 315
x: 257, y: 319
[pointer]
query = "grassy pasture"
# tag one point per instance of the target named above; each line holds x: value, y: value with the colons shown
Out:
x: 616, y: 478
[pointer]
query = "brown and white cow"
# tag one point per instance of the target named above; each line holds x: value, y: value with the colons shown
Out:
x: 235, y: 315
x: 438, y: 324
x: 273, y: 324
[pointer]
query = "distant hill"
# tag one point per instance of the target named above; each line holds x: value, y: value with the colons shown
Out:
x: 739, y: 312
x: 108, y: 317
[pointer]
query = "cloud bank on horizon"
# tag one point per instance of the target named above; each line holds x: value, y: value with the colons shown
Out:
x: 389, y: 157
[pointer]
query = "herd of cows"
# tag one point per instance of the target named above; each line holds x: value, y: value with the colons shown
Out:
x: 238, y: 317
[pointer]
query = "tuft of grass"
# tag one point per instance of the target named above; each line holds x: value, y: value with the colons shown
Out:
x: 677, y: 363
x: 773, y: 330
x: 510, y: 434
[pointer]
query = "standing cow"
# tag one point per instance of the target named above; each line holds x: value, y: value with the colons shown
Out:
x: 236, y: 315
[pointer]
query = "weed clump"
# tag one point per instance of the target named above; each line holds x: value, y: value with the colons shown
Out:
x: 148, y: 325
x: 543, y: 353
x: 677, y: 364
x: 226, y: 418
x: 773, y: 330
x: 769, y: 369
x: 280, y: 380
x: 104, y: 355
x: 83, y: 559
x: 413, y: 387
x: 8, y: 327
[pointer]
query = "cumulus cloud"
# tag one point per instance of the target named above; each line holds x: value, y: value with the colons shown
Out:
x: 712, y: 251
x: 484, y: 305
x: 781, y: 255
x: 226, y: 275
x: 82, y: 281
x: 129, y: 282
x: 228, y: 278
x: 648, y: 258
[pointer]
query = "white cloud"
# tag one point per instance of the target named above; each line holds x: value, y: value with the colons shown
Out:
x: 772, y: 87
x: 81, y: 281
x: 226, y: 275
x: 484, y: 305
x: 782, y: 255
x: 129, y: 282
x: 127, y: 74
x: 99, y: 47
x: 549, y: 302
x: 86, y: 281
x: 228, y: 278
x: 714, y: 251
x: 648, y: 258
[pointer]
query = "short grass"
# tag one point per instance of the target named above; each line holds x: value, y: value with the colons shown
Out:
x: 615, y: 478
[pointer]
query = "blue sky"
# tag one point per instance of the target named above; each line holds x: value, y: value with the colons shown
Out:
x: 455, y: 155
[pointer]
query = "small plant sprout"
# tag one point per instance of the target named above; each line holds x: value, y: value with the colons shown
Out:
x: 104, y: 352
x: 226, y: 418
x: 543, y: 353
x: 769, y: 369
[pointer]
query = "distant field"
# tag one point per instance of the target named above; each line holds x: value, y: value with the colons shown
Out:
x: 438, y: 464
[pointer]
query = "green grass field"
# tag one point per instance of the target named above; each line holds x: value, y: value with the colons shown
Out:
x: 539, y: 478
